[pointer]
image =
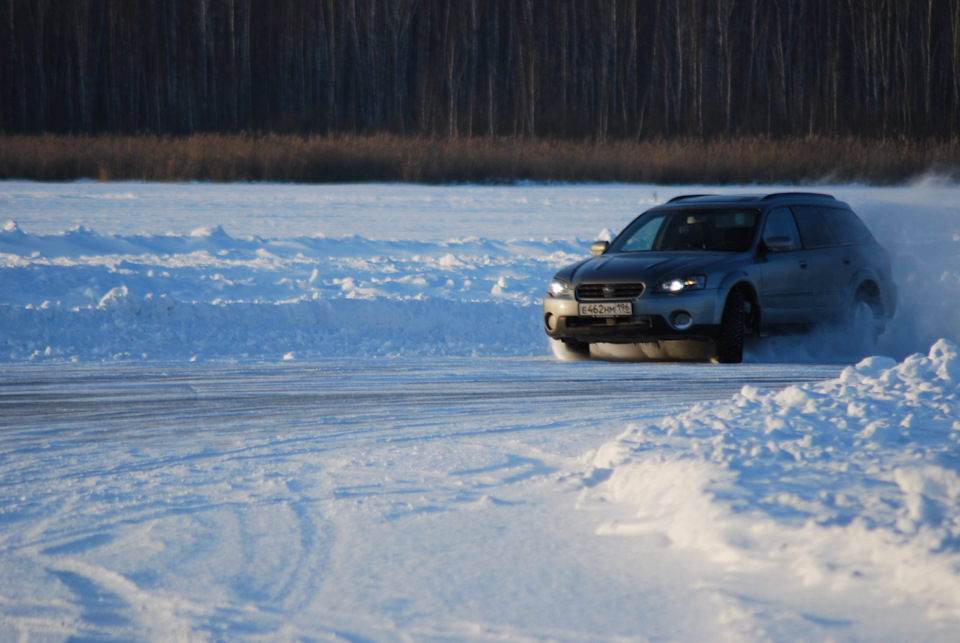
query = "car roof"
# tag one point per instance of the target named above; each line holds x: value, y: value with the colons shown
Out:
x: 759, y: 200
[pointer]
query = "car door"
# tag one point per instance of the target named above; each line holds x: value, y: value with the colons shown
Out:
x: 830, y: 264
x: 852, y: 238
x: 786, y: 291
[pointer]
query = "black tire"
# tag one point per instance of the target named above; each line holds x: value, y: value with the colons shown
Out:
x: 733, y: 327
x: 864, y: 323
x: 569, y: 350
x: 577, y: 348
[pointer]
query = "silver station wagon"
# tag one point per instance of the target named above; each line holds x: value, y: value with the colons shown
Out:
x: 720, y: 268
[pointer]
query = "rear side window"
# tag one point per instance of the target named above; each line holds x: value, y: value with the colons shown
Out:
x: 847, y: 227
x: 781, y: 226
x: 813, y: 228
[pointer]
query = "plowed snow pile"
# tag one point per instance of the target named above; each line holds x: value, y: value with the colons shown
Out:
x: 83, y: 295
x: 851, y: 482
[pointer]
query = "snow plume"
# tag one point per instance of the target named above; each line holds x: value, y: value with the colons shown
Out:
x: 851, y: 482
x: 920, y: 228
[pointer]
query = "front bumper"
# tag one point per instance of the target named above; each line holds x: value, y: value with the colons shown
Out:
x: 654, y: 318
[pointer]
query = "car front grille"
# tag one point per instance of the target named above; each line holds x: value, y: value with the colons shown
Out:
x: 609, y: 291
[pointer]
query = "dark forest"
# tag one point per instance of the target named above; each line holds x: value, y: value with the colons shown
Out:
x: 588, y: 69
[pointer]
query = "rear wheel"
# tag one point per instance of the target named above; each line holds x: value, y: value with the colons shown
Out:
x: 732, y: 329
x: 864, y: 323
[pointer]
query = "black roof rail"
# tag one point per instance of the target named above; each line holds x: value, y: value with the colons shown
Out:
x: 820, y: 195
x: 687, y: 196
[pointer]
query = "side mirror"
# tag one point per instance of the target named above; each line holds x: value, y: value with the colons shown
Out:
x: 597, y: 248
x: 778, y: 244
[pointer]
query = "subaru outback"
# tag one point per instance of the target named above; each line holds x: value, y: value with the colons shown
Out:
x: 721, y: 268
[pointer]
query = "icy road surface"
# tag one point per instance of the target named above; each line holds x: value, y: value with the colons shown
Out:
x: 370, y: 499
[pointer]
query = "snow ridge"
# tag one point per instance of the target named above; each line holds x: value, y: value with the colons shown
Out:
x: 851, y: 481
x: 82, y: 295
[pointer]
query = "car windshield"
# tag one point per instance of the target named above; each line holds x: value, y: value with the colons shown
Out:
x: 720, y: 230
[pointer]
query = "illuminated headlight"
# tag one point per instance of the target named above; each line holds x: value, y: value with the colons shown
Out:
x: 558, y: 287
x: 674, y: 286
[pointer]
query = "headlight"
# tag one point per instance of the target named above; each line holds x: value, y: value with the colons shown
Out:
x: 558, y: 287
x: 675, y: 286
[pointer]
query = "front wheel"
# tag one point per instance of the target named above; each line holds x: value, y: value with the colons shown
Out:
x: 733, y: 327
x: 569, y: 350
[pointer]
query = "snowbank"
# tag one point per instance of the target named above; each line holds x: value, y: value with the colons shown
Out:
x: 82, y: 295
x: 851, y: 483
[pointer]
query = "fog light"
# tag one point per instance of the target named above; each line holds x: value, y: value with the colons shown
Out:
x: 681, y: 320
x: 550, y: 322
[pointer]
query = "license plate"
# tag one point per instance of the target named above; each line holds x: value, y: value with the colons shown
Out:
x: 603, y: 309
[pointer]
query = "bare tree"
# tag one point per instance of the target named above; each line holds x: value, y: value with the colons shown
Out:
x: 602, y: 68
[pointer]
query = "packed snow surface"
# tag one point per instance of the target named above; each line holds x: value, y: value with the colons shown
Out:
x: 290, y: 412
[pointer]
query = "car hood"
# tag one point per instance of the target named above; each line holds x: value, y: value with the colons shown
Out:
x: 647, y: 267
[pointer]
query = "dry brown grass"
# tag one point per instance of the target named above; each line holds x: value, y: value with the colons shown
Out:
x: 319, y: 159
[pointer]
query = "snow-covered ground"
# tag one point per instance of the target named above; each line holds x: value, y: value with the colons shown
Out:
x: 293, y: 412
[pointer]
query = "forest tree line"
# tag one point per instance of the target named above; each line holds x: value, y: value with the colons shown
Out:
x: 599, y: 69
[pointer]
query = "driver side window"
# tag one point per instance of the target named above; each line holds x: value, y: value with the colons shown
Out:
x: 781, y: 230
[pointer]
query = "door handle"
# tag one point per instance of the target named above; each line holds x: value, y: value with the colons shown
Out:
x: 803, y: 263
x: 846, y: 261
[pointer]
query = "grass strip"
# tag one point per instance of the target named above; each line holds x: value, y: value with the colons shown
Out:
x: 382, y: 157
